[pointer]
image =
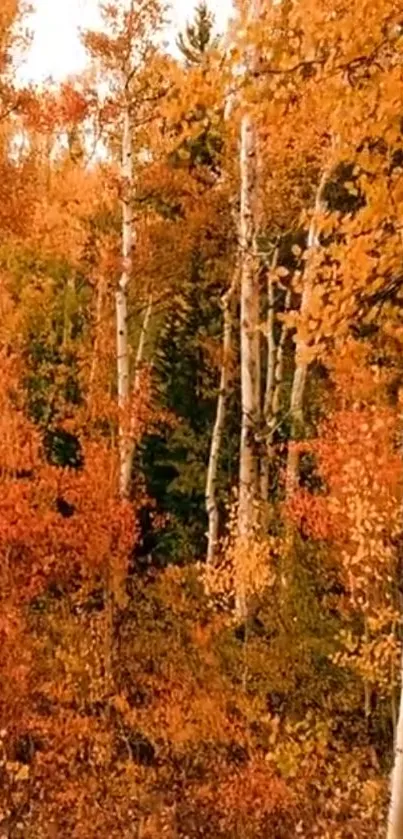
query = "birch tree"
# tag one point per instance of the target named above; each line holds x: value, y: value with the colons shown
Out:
x: 125, y: 51
x: 250, y: 305
x: 197, y: 45
x: 122, y: 340
x: 274, y: 374
x: 395, y: 814
x: 217, y: 436
x: 302, y: 343
x: 395, y: 820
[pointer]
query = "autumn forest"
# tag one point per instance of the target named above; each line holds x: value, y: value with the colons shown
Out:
x: 201, y: 427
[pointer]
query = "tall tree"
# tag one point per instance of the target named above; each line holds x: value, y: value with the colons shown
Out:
x: 250, y: 300
x: 302, y: 345
x: 197, y: 40
x: 395, y: 818
x: 197, y: 44
x: 125, y: 51
x: 219, y: 424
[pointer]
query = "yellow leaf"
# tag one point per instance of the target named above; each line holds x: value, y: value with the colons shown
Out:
x: 22, y: 774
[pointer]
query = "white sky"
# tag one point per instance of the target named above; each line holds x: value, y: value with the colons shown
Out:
x: 56, y: 50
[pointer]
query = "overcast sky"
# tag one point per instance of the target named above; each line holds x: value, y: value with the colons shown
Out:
x: 57, y: 51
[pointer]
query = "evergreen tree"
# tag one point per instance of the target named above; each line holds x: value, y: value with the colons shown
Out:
x: 196, y: 44
x: 197, y: 39
x: 174, y: 460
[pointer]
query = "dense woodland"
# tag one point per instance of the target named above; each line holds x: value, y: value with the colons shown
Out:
x: 201, y: 341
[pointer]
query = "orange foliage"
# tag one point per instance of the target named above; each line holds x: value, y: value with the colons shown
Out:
x: 139, y: 702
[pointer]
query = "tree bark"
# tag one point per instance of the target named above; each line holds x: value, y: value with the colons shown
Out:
x: 142, y: 343
x: 250, y: 339
x: 279, y: 371
x: 395, y: 817
x: 270, y: 378
x: 138, y: 369
x: 302, y: 346
x: 100, y: 293
x: 125, y: 446
x: 216, y: 440
x: 249, y: 490
x: 250, y: 305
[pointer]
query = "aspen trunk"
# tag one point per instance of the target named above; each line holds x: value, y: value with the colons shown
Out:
x: 138, y: 369
x: 97, y: 339
x: 250, y: 307
x: 395, y: 819
x: 302, y: 346
x: 249, y: 490
x: 142, y: 343
x: 270, y: 379
x: 272, y: 416
x: 279, y: 371
x: 250, y: 341
x: 216, y: 440
x: 125, y: 447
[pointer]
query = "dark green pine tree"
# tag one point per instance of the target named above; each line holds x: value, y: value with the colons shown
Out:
x: 196, y: 44
x: 198, y: 39
x: 174, y: 459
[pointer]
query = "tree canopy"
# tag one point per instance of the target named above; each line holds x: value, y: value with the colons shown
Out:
x: 201, y: 536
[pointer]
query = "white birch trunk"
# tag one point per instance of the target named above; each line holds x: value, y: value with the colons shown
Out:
x: 222, y: 399
x: 249, y: 490
x: 395, y: 818
x: 122, y: 342
x: 250, y: 308
x: 279, y: 371
x: 302, y: 346
x: 97, y: 339
x: 250, y: 340
x: 272, y: 417
x: 138, y: 369
x: 142, y: 343
x: 216, y: 440
x: 270, y: 378
x: 395, y: 814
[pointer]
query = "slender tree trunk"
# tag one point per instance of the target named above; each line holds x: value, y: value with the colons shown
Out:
x: 270, y: 379
x: 95, y: 353
x: 250, y: 306
x: 395, y: 819
x: 273, y: 418
x: 393, y: 704
x: 279, y: 371
x: 216, y: 440
x: 142, y: 343
x: 250, y: 341
x: 249, y: 490
x: 125, y: 447
x: 302, y: 346
x: 138, y: 369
